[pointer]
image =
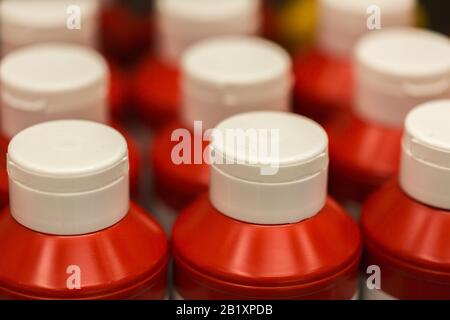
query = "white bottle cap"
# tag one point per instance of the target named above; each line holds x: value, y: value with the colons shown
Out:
x: 183, y: 22
x: 343, y: 22
x: 28, y: 22
x: 50, y: 82
x: 398, y: 69
x: 68, y: 177
x: 229, y: 75
x: 269, y: 167
x: 425, y: 164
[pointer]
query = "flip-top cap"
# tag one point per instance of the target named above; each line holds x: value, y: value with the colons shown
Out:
x: 234, y: 74
x: 398, y: 69
x: 269, y: 167
x: 425, y: 165
x: 25, y: 22
x: 68, y: 177
x: 50, y: 82
x: 183, y: 22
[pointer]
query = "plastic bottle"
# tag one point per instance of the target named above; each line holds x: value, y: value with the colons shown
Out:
x: 407, y: 222
x: 126, y: 29
x: 70, y: 231
x: 396, y: 69
x: 324, y: 73
x: 27, y: 22
x: 221, y: 77
x: 181, y: 23
x: 267, y: 229
x: 51, y: 82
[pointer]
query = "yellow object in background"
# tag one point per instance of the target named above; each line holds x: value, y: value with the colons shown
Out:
x: 296, y: 22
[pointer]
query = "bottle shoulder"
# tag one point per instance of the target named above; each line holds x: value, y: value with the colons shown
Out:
x: 222, y: 247
x: 133, y: 250
x: 412, y: 233
x: 365, y: 149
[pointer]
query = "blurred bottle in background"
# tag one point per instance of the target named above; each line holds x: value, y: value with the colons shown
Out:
x: 222, y: 76
x: 324, y: 73
x: 396, y: 69
x: 179, y: 24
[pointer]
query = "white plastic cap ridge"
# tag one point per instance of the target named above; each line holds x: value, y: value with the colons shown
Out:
x: 26, y: 22
x: 425, y: 164
x: 233, y: 74
x: 269, y: 167
x: 398, y: 69
x: 68, y: 177
x: 343, y: 22
x: 51, y: 82
x: 184, y: 22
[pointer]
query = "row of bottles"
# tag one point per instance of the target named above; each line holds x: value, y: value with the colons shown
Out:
x: 246, y: 227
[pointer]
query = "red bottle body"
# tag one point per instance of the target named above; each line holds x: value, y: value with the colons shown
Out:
x: 408, y: 240
x: 363, y: 156
x: 323, y: 85
x: 155, y: 91
x: 126, y: 261
x: 118, y: 92
x: 4, y: 197
x: 317, y: 258
x: 177, y: 185
x: 125, y: 34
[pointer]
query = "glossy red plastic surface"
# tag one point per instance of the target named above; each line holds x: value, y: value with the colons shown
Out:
x: 118, y: 92
x: 176, y: 185
x: 323, y: 85
x: 410, y: 242
x: 363, y: 156
x: 155, y: 91
x: 124, y: 33
x: 217, y: 257
x: 125, y: 261
x: 4, y: 197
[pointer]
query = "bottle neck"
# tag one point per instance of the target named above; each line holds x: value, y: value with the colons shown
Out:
x: 267, y: 203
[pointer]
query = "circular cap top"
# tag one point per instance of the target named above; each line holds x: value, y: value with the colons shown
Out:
x: 360, y: 7
x: 251, y: 142
x: 405, y: 52
x: 206, y: 10
x: 53, y: 68
x: 42, y: 13
x: 427, y: 126
x: 236, y: 60
x: 67, y: 156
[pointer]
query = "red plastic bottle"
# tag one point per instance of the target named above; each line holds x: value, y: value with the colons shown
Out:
x: 407, y: 222
x: 324, y: 73
x: 55, y: 81
x: 394, y: 74
x: 28, y: 22
x: 70, y: 219
x: 221, y: 77
x: 126, y: 33
x: 180, y: 23
x: 267, y: 229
